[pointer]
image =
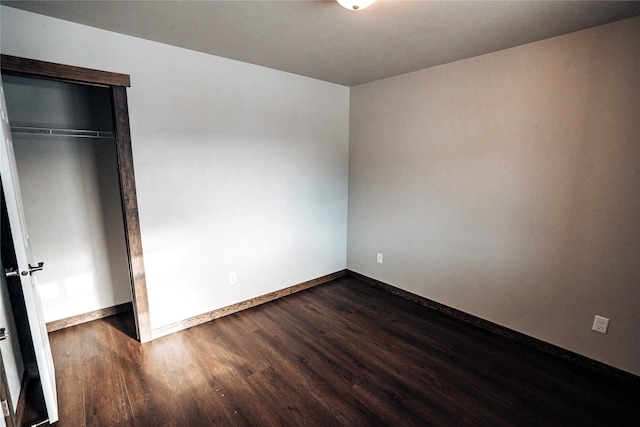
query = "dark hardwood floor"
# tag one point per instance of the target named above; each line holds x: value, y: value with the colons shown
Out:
x: 342, y: 353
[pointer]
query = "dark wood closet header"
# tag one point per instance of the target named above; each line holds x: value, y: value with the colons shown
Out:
x: 65, y: 73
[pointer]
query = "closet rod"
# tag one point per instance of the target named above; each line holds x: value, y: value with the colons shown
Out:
x: 75, y: 133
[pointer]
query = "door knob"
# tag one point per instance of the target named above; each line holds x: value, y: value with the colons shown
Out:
x: 4, y: 334
x: 11, y: 272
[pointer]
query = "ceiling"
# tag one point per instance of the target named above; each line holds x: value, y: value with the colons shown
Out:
x: 320, y: 39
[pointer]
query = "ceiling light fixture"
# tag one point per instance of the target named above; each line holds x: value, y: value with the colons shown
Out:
x: 355, y: 4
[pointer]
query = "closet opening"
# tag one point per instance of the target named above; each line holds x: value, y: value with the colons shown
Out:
x: 72, y: 146
x: 67, y: 166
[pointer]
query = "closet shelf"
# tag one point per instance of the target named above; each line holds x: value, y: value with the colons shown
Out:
x: 74, y: 133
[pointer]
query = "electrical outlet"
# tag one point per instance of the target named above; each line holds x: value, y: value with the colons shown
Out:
x: 600, y: 324
x: 379, y: 258
x: 233, y: 278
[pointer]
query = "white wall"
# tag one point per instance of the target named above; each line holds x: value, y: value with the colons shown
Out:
x: 507, y: 186
x: 238, y: 167
x: 70, y: 196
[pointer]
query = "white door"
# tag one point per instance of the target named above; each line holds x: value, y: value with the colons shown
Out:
x: 9, y: 348
x: 10, y: 184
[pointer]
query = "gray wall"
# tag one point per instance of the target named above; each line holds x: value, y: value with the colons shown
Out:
x: 238, y: 167
x: 507, y: 186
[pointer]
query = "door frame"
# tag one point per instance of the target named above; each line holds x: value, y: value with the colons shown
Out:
x: 117, y: 84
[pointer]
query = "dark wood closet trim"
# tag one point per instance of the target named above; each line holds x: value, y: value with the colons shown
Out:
x: 117, y: 83
x: 130, y: 212
x: 67, y: 322
x: 509, y: 334
x: 244, y: 305
x: 66, y: 73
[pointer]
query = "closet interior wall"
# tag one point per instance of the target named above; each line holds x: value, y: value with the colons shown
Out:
x: 71, y: 196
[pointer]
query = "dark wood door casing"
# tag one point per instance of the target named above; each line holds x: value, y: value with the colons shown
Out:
x: 65, y: 73
x: 118, y: 84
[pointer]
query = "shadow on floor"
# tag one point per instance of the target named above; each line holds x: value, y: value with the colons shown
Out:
x: 123, y: 323
x: 35, y: 411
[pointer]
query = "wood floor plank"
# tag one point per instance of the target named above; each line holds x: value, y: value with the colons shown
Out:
x: 309, y: 388
x: 67, y: 348
x: 224, y: 377
x: 339, y: 354
x: 106, y: 401
x: 144, y: 371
